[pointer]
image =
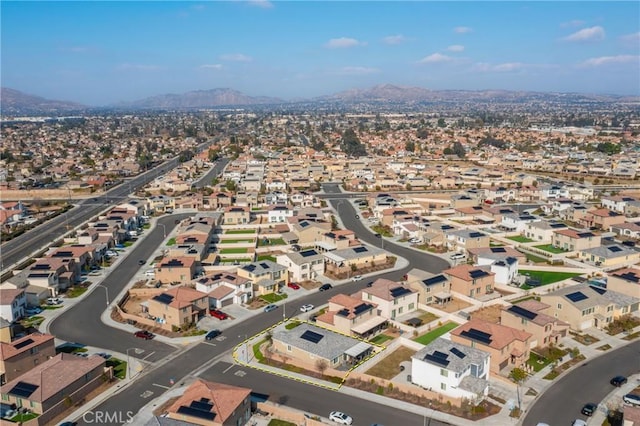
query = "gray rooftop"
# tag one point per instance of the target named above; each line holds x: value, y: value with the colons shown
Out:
x: 262, y: 267
x: 456, y: 364
x: 584, y: 296
x: 331, y: 345
x: 353, y: 253
x: 473, y: 384
x: 610, y: 251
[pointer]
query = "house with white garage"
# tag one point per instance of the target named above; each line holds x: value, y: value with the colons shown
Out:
x: 225, y: 288
x: 452, y: 369
x: 516, y: 222
x: 279, y: 213
x: 506, y: 270
x: 303, y: 265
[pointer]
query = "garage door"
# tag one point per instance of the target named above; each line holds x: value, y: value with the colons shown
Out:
x: 503, y: 364
x: 227, y: 302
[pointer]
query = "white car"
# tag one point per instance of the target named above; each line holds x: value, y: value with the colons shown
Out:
x: 340, y: 417
x: 457, y: 256
x: 579, y: 422
x: 632, y: 399
x: 54, y: 301
x: 356, y: 278
x: 306, y: 308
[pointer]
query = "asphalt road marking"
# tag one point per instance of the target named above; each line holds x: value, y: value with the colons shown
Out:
x: 150, y: 353
x: 209, y: 343
x: 146, y: 394
x: 240, y: 373
x: 161, y: 386
x: 228, y: 368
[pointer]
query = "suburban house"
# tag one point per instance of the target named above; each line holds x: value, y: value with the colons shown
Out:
x: 630, y: 230
x: 616, y: 203
x: 542, y: 230
x: 625, y: 281
x: 609, y: 255
x: 161, y: 203
x: 235, y: 215
x: 574, y: 240
x: 528, y: 316
x: 351, y: 316
x: 23, y: 354
x: 430, y: 288
x: 225, y: 288
x: 266, y: 276
x: 179, y: 307
x: 13, y: 302
x: 452, y: 369
x: 488, y: 255
x: 179, y: 269
x: 310, y: 345
x: 602, y: 219
x: 464, y: 239
x: 348, y: 261
x: 308, y: 231
x: 196, y: 246
x: 212, y: 404
x: 393, y: 299
x: 279, y: 213
x: 515, y: 222
x: 303, y: 265
x: 507, y: 346
x: 505, y: 270
x: 337, y: 240
x: 47, y: 387
x: 470, y: 280
x: 583, y: 306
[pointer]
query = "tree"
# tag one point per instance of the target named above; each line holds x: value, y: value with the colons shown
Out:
x: 350, y: 144
x: 441, y: 122
x: 410, y: 146
x: 518, y: 375
x: 321, y: 366
x: 230, y: 185
x: 458, y: 149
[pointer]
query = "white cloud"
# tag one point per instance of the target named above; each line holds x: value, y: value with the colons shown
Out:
x: 137, y: 67
x: 608, y: 60
x: 435, y: 58
x: 211, y: 66
x: 394, y: 39
x: 504, y: 67
x: 587, y: 34
x: 574, y: 23
x: 343, y: 42
x: 236, y: 57
x: 264, y: 4
x: 357, y: 71
x: 462, y: 30
x: 455, y: 48
x: 633, y: 38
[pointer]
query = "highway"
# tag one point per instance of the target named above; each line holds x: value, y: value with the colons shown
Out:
x: 562, y: 402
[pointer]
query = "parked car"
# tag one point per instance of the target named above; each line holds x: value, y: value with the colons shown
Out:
x: 212, y: 334
x: 150, y: 273
x: 631, y: 399
x: 293, y: 286
x: 216, y: 313
x: 33, y: 310
x: 618, y: 381
x: 356, y: 278
x: 589, y: 408
x: 144, y: 334
x: 578, y: 422
x: 340, y: 417
x: 54, y: 301
x: 306, y: 308
x: 270, y: 308
x: 457, y: 256
x: 111, y: 253
x: 104, y: 355
x: 325, y: 287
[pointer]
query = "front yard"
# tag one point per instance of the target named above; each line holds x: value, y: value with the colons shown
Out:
x: 389, y: 367
x: 273, y: 297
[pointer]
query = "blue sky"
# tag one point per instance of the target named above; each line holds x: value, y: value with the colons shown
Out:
x: 99, y: 53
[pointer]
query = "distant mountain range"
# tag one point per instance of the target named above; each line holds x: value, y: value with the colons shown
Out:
x: 14, y: 102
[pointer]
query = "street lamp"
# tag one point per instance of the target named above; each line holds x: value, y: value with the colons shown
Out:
x: 106, y: 290
x: 129, y: 363
x: 164, y: 229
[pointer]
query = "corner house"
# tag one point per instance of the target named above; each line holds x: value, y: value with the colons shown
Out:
x: 311, y: 345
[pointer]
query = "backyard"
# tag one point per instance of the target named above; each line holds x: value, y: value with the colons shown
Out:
x: 546, y: 277
x: 432, y: 335
x: 550, y: 248
x: 238, y: 241
x: 270, y: 242
x: 520, y: 239
x: 234, y: 250
x: 240, y: 231
x: 389, y: 367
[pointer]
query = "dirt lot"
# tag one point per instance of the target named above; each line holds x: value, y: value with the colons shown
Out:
x: 453, y: 306
x: 132, y: 306
x: 490, y: 314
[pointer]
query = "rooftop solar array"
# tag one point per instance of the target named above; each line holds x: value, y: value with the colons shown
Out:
x: 22, y: 344
x: 436, y: 360
x: 23, y: 389
x: 163, y: 298
x: 586, y: 234
x: 576, y: 296
x: 614, y: 249
x: 264, y: 265
x: 360, y: 249
x: 38, y: 275
x: 446, y: 227
x: 174, y: 262
x: 435, y: 280
x: 630, y: 276
x: 478, y: 273
x: 194, y: 412
x: 343, y: 312
x: 477, y: 335
x: 522, y: 312
x: 363, y: 307
x: 399, y: 291
x: 249, y: 268
x: 303, y: 224
x: 476, y: 235
x: 498, y: 250
x: 308, y: 253
x: 458, y: 353
x: 311, y: 336
x: 40, y: 266
x: 62, y: 253
x: 557, y: 225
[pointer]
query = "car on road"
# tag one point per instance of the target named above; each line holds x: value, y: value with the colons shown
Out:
x: 589, y: 409
x: 217, y: 313
x: 293, y: 286
x: 356, y: 278
x: 618, y: 381
x: 54, y: 301
x: 631, y: 399
x: 578, y: 422
x: 370, y: 284
x: 141, y: 262
x: 270, y: 308
x: 306, y: 308
x: 144, y: 334
x: 325, y: 287
x: 212, y: 334
x: 340, y: 417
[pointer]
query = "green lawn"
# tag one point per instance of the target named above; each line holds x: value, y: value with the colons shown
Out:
x: 32, y: 321
x: 75, y: 291
x: 273, y: 297
x: 234, y: 250
x: 382, y: 230
x: 534, y: 258
x: 256, y: 351
x: 266, y: 257
x: 271, y: 242
x: 520, y: 239
x: 548, y: 277
x: 537, y: 362
x: 171, y: 242
x: 237, y: 241
x: 119, y: 367
x: 128, y: 243
x: 23, y: 417
x: 291, y: 325
x: 550, y: 248
x: 240, y: 231
x: 241, y: 260
x: 380, y: 339
x: 427, y: 338
x: 278, y: 422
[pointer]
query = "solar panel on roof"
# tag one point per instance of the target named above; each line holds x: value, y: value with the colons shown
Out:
x: 434, y: 280
x: 476, y: 235
x: 440, y: 354
x: 22, y: 344
x: 203, y: 405
x: 264, y: 265
x: 557, y: 225
x: 40, y: 266
x: 436, y: 360
x: 311, y: 336
x: 498, y: 250
x: 478, y: 273
x: 38, y: 275
x: 576, y: 296
x: 458, y: 353
x: 23, y: 389
x: 249, y: 268
x: 194, y: 412
x: 304, y: 224
x: 174, y: 262
x: 614, y: 249
x: 478, y: 335
x: 399, y: 291
x: 360, y: 249
x: 518, y: 310
x: 586, y: 234
x: 363, y: 307
x: 308, y: 253
x: 343, y: 312
x: 163, y: 298
x: 630, y: 276
x: 599, y: 290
